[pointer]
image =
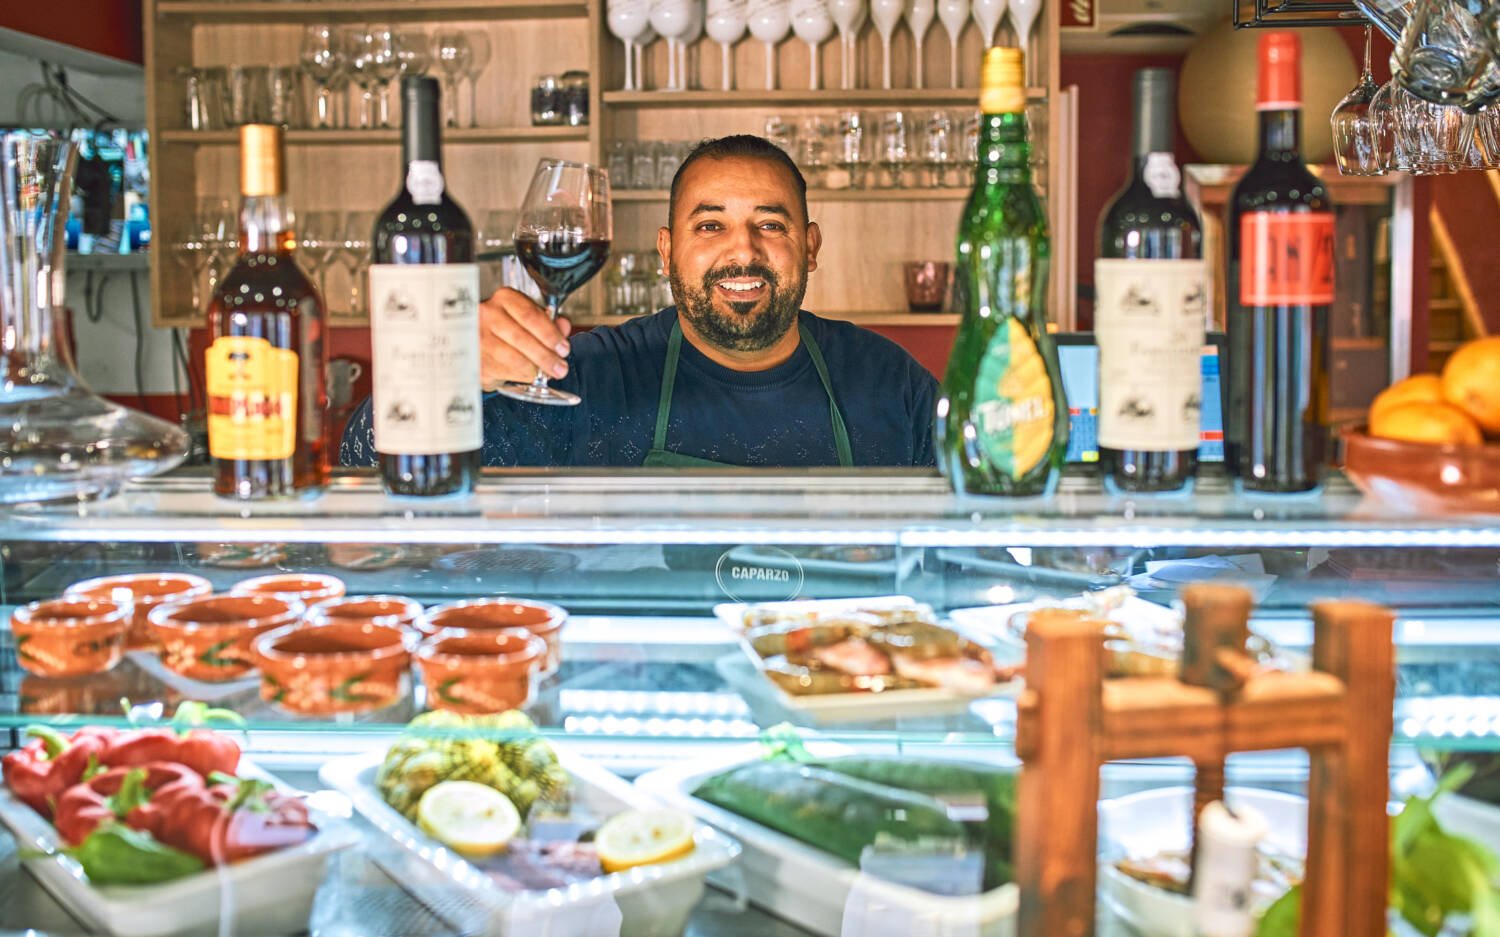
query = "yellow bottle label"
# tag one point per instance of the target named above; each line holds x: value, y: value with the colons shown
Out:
x: 1013, y: 415
x: 252, y: 399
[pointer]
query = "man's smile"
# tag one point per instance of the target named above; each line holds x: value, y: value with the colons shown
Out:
x: 742, y: 289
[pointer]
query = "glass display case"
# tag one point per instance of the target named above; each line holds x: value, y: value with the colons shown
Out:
x: 657, y: 677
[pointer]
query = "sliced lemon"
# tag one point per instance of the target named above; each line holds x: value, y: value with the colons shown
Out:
x: 472, y: 819
x: 643, y: 837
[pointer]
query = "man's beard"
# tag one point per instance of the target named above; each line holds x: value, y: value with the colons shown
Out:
x: 738, y: 330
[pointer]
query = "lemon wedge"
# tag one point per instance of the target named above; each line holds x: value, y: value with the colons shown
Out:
x: 643, y: 837
x: 472, y: 819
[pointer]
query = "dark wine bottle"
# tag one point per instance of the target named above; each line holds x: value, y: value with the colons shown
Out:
x: 1149, y: 310
x: 424, y: 319
x: 1280, y: 285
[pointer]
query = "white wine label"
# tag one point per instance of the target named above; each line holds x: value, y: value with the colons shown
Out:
x: 424, y: 328
x: 1148, y: 322
x: 1162, y: 176
x: 424, y: 180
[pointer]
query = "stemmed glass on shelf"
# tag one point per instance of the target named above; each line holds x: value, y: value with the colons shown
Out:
x: 325, y: 61
x: 630, y: 22
x: 189, y: 251
x: 672, y: 20
x: 219, y: 232
x: 919, y: 16
x: 770, y: 21
x: 563, y: 234
x: 987, y: 16
x: 479, y: 57
x: 686, y: 43
x: 953, y: 14
x: 725, y: 24
x: 849, y: 16
x: 813, y: 25
x: 452, y: 55
x: 885, y: 14
x: 354, y: 255
x: 320, y: 237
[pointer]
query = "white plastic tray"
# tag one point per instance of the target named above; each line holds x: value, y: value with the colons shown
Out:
x: 811, y: 888
x: 646, y: 901
x: 733, y: 613
x: 267, y: 895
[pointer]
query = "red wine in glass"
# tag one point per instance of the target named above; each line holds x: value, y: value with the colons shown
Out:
x: 560, y: 262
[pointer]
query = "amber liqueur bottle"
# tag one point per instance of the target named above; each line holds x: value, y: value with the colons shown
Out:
x: 267, y: 361
x: 1281, y: 273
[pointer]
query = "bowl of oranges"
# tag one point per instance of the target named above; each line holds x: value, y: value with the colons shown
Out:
x: 1432, y: 442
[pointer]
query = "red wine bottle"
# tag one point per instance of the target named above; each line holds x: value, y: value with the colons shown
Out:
x: 1150, y: 310
x: 424, y: 319
x: 1280, y: 285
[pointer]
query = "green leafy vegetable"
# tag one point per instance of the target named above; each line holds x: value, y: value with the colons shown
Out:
x: 114, y: 854
x: 192, y: 713
x: 782, y: 742
x: 132, y: 793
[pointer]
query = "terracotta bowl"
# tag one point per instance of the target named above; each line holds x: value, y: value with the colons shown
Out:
x: 396, y: 610
x: 474, y: 672
x: 209, y: 638
x: 1424, y: 478
x: 542, y: 619
x: 307, y: 588
x: 70, y: 637
x: 333, y: 667
x: 144, y: 591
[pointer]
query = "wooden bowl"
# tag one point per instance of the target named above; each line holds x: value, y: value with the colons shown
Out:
x: 475, y: 672
x: 144, y: 591
x: 1424, y: 478
x: 70, y: 637
x: 542, y: 619
x: 209, y: 638
x: 318, y: 668
x: 307, y: 588
x: 395, y: 610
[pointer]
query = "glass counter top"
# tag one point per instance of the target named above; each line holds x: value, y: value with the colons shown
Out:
x: 824, y: 507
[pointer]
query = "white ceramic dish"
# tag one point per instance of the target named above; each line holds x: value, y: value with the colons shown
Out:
x: 811, y: 888
x: 646, y: 901
x: 269, y: 894
x: 1144, y: 824
x: 1147, y: 622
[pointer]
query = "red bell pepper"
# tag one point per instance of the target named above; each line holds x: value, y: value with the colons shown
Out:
x: 41, y: 770
x: 234, y: 819
x: 122, y: 794
x: 203, y: 750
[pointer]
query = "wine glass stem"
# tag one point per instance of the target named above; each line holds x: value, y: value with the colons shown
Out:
x: 450, y: 106
x: 473, y: 113
x: 672, y: 64
x: 812, y: 55
x: 953, y: 61
x: 554, y: 309
x: 1366, y: 76
x: 885, y: 60
x: 325, y: 107
x: 770, y: 67
x: 917, y: 64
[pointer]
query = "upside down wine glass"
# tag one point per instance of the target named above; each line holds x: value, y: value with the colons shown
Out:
x: 770, y: 21
x: 953, y: 14
x: 725, y: 24
x: 563, y: 233
x: 885, y: 14
x: 629, y: 21
x: 813, y: 25
x: 849, y: 16
x: 919, y: 16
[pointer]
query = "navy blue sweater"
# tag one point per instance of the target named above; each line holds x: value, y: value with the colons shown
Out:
x: 777, y: 417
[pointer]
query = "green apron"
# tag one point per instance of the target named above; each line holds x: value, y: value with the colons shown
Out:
x: 659, y: 457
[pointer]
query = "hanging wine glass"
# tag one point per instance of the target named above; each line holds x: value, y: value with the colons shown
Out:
x: 563, y: 234
x: 685, y: 45
x: 671, y: 20
x: 630, y: 21
x: 770, y: 21
x: 953, y: 14
x: 885, y: 14
x: 725, y: 24
x: 849, y: 17
x: 987, y: 16
x: 813, y: 25
x: 1353, y: 132
x: 919, y: 16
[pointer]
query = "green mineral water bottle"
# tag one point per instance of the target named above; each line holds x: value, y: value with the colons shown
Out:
x: 1002, y: 420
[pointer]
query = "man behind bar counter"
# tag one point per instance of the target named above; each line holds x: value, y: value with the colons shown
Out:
x: 757, y: 381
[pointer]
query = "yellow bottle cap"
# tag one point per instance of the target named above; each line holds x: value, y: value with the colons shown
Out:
x: 1002, y: 86
x: 262, y: 171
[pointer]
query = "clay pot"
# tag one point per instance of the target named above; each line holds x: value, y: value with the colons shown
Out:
x: 395, y: 610
x: 144, y: 591
x: 70, y: 637
x: 333, y: 667
x: 209, y: 638
x: 307, y: 588
x: 542, y: 619
x: 475, y: 672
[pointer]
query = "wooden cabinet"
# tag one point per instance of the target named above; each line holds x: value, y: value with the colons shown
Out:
x: 868, y: 233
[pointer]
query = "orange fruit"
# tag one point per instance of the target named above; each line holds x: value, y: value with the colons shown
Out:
x: 1420, y: 388
x: 1471, y: 381
x: 1436, y: 423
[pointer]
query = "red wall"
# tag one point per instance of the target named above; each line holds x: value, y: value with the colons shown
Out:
x: 108, y: 27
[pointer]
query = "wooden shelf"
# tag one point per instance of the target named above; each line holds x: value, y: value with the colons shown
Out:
x: 381, y: 136
x: 941, y: 319
x: 862, y: 97
x: 1215, y: 183
x: 826, y: 195
x: 273, y: 10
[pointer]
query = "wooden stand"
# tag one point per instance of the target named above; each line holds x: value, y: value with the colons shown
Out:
x: 1072, y: 720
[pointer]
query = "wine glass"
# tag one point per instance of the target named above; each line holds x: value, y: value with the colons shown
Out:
x: 885, y: 14
x: 770, y: 21
x: 851, y: 147
x: 919, y: 16
x: 189, y: 250
x: 726, y: 25
x: 562, y: 237
x: 1353, y: 133
x: 219, y: 233
x: 324, y: 60
x: 671, y: 19
x: 685, y: 45
x: 953, y: 14
x: 319, y: 239
x: 384, y: 63
x: 1023, y: 14
x: 479, y: 57
x: 987, y: 16
x: 895, y: 146
x: 452, y: 53
x: 849, y: 17
x: 354, y: 255
x: 937, y: 147
x: 361, y: 66
x: 629, y: 21
x: 813, y: 25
